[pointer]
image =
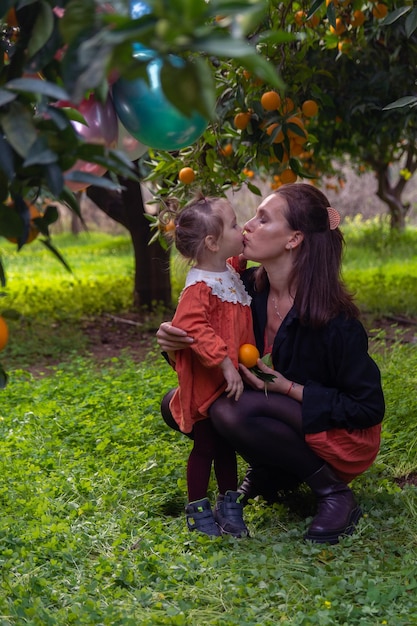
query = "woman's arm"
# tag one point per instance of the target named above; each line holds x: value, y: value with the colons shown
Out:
x: 170, y: 338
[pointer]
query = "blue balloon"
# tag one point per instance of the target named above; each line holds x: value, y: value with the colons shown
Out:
x: 138, y: 9
x: 150, y: 117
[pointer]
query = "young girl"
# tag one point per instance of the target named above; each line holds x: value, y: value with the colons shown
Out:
x: 214, y: 308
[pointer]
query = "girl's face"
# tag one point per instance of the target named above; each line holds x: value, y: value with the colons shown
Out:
x: 268, y: 234
x: 231, y: 241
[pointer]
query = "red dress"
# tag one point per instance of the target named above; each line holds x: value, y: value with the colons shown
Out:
x: 214, y: 309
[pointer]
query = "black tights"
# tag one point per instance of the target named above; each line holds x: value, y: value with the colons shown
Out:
x: 209, y: 448
x: 264, y: 430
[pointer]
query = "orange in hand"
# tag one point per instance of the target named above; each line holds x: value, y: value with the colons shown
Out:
x: 248, y: 355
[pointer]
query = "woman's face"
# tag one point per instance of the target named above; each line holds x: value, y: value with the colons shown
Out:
x: 268, y: 234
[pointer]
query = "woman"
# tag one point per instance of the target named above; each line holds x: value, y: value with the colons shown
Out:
x: 320, y: 420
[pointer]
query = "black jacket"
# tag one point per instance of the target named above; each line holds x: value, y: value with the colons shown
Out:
x: 342, y: 383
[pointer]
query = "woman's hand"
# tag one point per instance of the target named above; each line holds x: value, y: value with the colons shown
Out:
x: 171, y: 338
x: 280, y: 384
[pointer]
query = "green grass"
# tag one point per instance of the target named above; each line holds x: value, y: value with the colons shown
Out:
x: 93, y: 484
x: 92, y: 529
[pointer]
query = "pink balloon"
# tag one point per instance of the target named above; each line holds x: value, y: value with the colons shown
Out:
x: 101, y: 128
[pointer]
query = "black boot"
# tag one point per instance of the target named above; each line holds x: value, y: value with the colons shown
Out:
x: 338, y: 512
x: 266, y: 482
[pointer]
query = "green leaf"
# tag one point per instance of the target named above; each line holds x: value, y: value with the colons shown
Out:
x: 54, y: 178
x: 40, y: 154
x: 36, y: 85
x: 69, y: 199
x: 6, y: 97
x: 411, y: 23
x: 265, y: 376
x: 254, y: 189
x: 6, y: 158
x: 10, y: 222
x: 19, y: 128
x: 406, y: 101
x: 223, y: 47
x: 331, y: 14
x: 182, y: 87
x: 78, y: 14
x: 51, y: 215
x: 51, y: 247
x: 82, y: 177
x: 42, y: 29
x: 263, y: 69
x: 393, y: 16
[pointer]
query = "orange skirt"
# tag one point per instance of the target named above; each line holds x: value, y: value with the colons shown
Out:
x: 349, y: 453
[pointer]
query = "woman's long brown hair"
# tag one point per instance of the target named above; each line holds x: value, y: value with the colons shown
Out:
x: 316, y: 274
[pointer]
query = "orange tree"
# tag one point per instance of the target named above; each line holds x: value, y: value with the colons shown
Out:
x: 58, y: 52
x: 343, y: 64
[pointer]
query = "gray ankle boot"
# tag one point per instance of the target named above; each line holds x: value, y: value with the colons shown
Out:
x: 338, y: 511
x: 200, y: 517
x: 228, y: 514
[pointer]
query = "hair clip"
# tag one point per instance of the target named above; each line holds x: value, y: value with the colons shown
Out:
x: 334, y: 217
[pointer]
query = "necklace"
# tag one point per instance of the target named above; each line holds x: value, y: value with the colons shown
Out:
x: 276, y: 309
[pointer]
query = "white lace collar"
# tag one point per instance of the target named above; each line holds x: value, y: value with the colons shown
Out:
x: 227, y: 285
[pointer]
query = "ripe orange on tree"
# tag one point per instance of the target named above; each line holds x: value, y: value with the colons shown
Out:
x: 310, y: 108
x: 248, y: 355
x: 340, y: 27
x: 4, y: 333
x: 227, y: 150
x: 298, y: 137
x: 279, y: 137
x: 270, y: 100
x: 358, y: 18
x: 186, y: 175
x: 379, y: 11
x: 288, y: 176
x: 241, y: 120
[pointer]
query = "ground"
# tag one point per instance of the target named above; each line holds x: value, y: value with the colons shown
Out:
x: 109, y: 335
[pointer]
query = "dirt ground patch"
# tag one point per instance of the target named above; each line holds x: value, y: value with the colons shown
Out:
x: 109, y: 336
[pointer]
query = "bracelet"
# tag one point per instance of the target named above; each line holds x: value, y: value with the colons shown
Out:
x: 289, y: 389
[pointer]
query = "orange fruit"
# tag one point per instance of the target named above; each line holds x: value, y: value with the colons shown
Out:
x: 4, y: 333
x: 279, y: 138
x: 270, y: 100
x: 248, y: 355
x: 344, y: 46
x: 291, y: 133
x: 340, y: 27
x: 358, y: 18
x: 241, y: 120
x: 310, y: 108
x: 379, y: 11
x: 33, y: 229
x: 186, y: 175
x: 314, y: 21
x: 227, y: 150
x: 287, y: 106
x: 288, y: 176
x: 299, y: 17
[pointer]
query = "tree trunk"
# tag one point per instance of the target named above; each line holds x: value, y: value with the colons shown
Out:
x: 391, y: 194
x: 152, y: 277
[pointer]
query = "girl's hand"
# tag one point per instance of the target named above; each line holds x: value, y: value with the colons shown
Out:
x: 233, y: 379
